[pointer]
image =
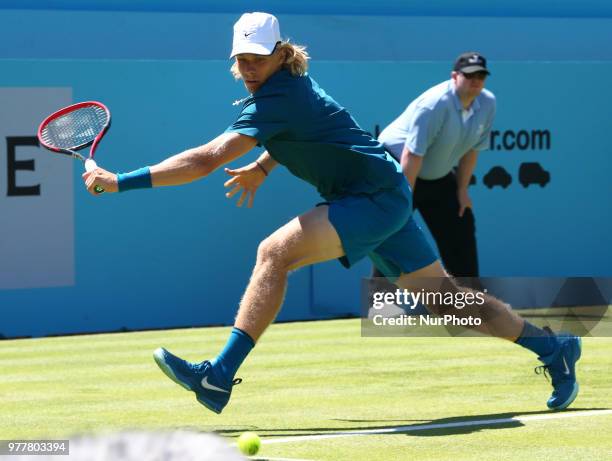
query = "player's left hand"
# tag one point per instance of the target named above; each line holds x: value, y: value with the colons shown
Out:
x: 102, y: 178
x: 464, y: 201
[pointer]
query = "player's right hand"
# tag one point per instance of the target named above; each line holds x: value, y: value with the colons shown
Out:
x: 102, y: 178
x: 246, y: 179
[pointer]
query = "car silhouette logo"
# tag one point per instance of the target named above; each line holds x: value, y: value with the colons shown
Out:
x: 497, y: 176
x: 533, y: 173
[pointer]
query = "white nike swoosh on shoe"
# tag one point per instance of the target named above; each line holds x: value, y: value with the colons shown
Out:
x: 212, y: 387
x: 567, y: 370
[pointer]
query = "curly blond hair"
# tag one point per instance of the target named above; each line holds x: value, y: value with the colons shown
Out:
x: 296, y: 59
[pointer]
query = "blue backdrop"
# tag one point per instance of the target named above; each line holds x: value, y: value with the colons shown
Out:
x: 182, y: 256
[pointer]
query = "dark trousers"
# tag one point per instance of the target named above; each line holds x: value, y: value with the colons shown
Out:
x: 455, y: 236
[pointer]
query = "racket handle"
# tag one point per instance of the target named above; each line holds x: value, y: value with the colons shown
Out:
x: 90, y: 165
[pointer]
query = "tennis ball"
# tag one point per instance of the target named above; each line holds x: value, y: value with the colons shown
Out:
x: 249, y: 443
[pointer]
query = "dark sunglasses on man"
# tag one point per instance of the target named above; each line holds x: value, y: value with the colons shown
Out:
x: 476, y: 75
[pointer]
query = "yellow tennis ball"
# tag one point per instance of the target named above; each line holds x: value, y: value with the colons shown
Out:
x: 249, y: 443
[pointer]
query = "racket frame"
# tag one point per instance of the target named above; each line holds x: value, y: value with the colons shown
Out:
x: 89, y: 162
x: 72, y: 151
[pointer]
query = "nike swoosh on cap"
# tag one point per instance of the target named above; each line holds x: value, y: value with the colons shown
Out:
x: 212, y: 387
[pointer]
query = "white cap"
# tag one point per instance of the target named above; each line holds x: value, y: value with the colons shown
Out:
x: 256, y: 33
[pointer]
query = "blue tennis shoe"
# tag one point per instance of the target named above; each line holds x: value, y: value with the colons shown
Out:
x: 201, y: 378
x: 561, y: 367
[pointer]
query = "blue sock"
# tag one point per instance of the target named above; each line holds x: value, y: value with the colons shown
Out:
x: 238, y: 346
x: 537, y: 340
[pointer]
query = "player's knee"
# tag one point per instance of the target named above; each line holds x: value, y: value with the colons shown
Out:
x: 271, y: 252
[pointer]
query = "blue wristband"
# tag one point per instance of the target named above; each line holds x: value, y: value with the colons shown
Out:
x: 137, y: 179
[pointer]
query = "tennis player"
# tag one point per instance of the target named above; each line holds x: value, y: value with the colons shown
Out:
x: 367, y: 211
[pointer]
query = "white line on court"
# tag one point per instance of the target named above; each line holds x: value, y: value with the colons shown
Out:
x: 278, y: 459
x: 425, y: 427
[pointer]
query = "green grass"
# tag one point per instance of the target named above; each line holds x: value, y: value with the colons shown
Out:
x: 311, y: 378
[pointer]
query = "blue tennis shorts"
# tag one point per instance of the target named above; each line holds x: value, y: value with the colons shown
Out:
x: 382, y: 227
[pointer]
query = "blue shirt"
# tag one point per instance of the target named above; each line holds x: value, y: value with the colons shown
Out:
x: 436, y: 126
x: 308, y: 132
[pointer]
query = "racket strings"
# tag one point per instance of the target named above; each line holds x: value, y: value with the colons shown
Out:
x: 75, y: 129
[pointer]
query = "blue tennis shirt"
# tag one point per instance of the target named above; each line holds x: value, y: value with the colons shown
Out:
x: 305, y: 130
x: 436, y: 127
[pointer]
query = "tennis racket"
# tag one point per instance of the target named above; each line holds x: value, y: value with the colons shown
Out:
x: 76, y: 127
